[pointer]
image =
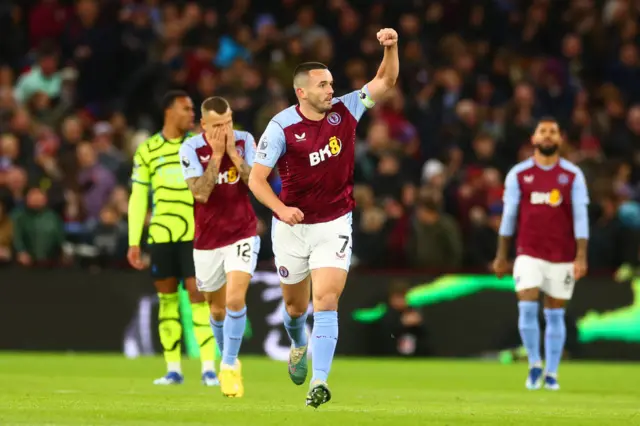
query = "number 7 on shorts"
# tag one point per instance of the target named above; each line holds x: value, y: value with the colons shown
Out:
x: 346, y: 241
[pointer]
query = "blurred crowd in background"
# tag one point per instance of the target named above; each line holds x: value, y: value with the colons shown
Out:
x: 81, y: 83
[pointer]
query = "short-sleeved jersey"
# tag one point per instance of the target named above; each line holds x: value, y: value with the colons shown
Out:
x: 228, y: 215
x: 315, y: 159
x: 547, y: 202
x: 156, y: 163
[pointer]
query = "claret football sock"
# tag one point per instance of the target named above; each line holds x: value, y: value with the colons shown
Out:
x: 204, y: 334
x: 530, y: 330
x: 170, y: 330
x: 234, y: 325
x: 554, y: 338
x: 296, y: 328
x: 323, y: 347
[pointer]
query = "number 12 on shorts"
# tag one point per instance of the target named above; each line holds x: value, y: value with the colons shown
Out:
x: 244, y: 251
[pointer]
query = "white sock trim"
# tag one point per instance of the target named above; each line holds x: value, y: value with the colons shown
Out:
x: 174, y: 367
x: 208, y: 366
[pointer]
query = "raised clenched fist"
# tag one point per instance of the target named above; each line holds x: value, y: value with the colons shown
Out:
x: 387, y: 37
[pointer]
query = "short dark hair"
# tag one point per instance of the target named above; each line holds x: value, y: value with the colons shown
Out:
x: 46, y: 49
x: 428, y: 203
x: 398, y: 288
x: 216, y: 104
x: 548, y: 119
x: 170, y: 97
x: 305, y: 67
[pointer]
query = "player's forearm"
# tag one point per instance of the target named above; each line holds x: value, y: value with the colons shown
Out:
x: 138, y: 203
x: 390, y: 66
x: 504, y: 242
x: 581, y: 248
x: 507, y: 229
x: 264, y: 193
x: 202, y: 187
x: 243, y: 168
x: 581, y: 228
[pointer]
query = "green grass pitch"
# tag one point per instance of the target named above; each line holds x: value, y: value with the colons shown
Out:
x: 61, y: 390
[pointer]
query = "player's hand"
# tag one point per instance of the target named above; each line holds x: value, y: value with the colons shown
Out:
x: 579, y: 269
x: 133, y: 256
x: 230, y: 141
x: 218, y: 141
x: 500, y: 267
x: 290, y: 215
x: 387, y: 37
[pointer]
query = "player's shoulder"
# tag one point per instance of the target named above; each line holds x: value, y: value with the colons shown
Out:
x: 521, y: 167
x: 242, y: 135
x: 341, y: 99
x: 149, y: 144
x: 287, y: 117
x: 194, y: 142
x: 570, y: 167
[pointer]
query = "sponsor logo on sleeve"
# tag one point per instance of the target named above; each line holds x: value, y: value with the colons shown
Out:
x: 264, y: 144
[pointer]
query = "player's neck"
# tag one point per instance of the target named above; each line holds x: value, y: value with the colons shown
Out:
x: 544, y: 161
x: 311, y: 114
x: 171, y: 132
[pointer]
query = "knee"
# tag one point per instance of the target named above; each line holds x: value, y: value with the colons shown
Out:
x: 235, y: 302
x: 529, y: 295
x: 296, y: 309
x: 217, y: 312
x: 325, y: 302
x: 195, y: 296
x: 552, y: 303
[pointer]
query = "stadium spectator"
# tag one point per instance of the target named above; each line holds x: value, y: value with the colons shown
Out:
x: 6, y: 235
x: 15, y: 187
x: 109, y: 236
x: 96, y: 182
x: 475, y: 77
x: 43, y: 78
x: 483, y: 236
x: 402, y: 330
x: 38, y: 231
x: 435, y: 241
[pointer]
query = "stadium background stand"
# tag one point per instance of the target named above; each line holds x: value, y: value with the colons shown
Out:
x: 81, y: 82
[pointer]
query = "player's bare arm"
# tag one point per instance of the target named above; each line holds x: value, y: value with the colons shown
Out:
x: 580, y: 201
x: 511, y: 200
x: 580, y: 264
x: 243, y: 168
x: 202, y: 187
x: 388, y: 71
x: 501, y: 262
x: 259, y: 185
